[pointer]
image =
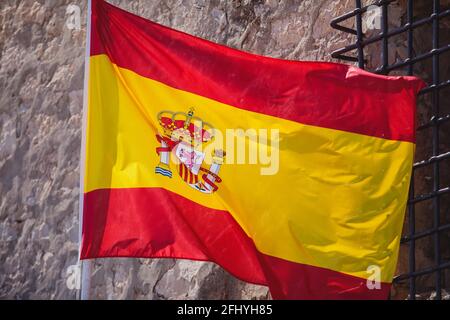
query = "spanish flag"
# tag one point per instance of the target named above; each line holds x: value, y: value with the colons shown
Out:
x: 288, y: 174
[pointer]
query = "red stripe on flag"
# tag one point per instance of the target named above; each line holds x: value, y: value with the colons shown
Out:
x: 153, y: 222
x: 330, y: 95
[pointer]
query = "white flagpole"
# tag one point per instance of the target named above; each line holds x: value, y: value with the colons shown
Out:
x: 85, y: 265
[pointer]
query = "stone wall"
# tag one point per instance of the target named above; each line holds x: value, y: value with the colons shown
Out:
x: 41, y: 83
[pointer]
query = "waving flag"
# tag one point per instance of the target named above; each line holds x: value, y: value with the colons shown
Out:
x: 316, y: 201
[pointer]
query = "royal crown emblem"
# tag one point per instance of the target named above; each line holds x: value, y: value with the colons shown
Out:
x: 184, y: 137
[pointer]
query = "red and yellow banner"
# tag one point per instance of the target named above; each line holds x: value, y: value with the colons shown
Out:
x: 308, y: 217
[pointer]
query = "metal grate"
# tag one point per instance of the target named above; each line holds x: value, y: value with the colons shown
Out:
x: 433, y: 126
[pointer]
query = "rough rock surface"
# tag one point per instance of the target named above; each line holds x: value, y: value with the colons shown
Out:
x: 41, y: 85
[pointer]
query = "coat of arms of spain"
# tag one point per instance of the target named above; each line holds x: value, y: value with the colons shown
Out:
x: 184, y: 136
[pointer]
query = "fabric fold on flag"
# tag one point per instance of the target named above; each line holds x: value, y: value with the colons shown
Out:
x: 317, y: 201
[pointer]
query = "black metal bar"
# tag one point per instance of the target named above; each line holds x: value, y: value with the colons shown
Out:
x: 432, y: 160
x: 389, y: 34
x: 436, y: 182
x: 412, y: 242
x: 432, y: 87
x: 335, y: 23
x: 411, y: 207
x: 359, y: 35
x: 409, y: 22
x: 384, y: 40
x: 347, y: 58
x: 434, y: 122
x: 430, y: 195
x: 425, y: 233
x: 432, y: 53
x: 342, y: 28
x: 422, y: 272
